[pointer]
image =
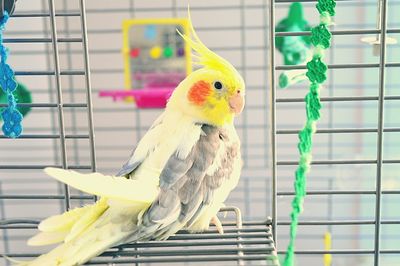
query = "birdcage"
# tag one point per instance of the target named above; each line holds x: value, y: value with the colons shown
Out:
x: 349, y: 215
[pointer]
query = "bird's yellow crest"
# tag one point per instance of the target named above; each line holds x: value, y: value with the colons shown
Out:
x: 206, y: 58
x: 212, y: 94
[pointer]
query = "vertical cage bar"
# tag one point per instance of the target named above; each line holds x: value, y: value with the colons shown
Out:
x: 53, y: 115
x: 60, y: 102
x: 71, y: 90
x: 71, y: 85
x: 381, y: 107
x: 271, y: 61
x: 88, y: 85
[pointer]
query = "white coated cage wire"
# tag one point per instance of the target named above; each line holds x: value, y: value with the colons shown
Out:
x: 353, y: 187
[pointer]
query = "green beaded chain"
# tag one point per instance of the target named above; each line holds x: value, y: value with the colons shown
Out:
x: 321, y: 40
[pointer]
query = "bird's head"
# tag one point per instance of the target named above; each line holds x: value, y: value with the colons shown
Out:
x: 213, y: 94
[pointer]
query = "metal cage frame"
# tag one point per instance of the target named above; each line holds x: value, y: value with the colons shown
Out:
x: 244, y: 242
x: 381, y: 31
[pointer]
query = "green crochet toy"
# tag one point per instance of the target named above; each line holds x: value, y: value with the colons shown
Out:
x: 294, y: 49
x: 22, y: 94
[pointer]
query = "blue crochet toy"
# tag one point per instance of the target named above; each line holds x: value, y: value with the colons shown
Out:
x: 12, y: 118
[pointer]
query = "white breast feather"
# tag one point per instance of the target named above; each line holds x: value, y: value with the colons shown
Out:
x: 188, y: 141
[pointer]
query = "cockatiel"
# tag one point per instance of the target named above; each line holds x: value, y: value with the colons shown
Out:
x: 178, y: 177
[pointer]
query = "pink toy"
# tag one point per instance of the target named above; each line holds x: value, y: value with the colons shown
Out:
x: 149, y: 97
x: 156, y: 60
x: 157, y: 88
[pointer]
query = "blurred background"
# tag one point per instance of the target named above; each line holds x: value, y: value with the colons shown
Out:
x: 342, y: 183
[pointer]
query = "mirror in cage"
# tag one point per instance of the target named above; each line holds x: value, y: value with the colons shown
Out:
x: 156, y: 60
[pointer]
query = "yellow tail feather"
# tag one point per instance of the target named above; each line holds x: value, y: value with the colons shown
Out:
x: 47, y: 238
x: 66, y: 226
x: 87, y: 219
x: 112, y: 187
x: 88, y: 231
x: 62, y: 222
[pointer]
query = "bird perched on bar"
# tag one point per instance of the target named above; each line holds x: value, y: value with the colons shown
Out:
x: 178, y: 177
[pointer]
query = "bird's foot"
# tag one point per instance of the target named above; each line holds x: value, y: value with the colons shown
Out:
x: 215, y: 221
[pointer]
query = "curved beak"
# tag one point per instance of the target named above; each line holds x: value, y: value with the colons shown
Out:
x: 236, y: 103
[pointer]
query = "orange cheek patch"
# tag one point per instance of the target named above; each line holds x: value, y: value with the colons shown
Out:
x: 198, y: 92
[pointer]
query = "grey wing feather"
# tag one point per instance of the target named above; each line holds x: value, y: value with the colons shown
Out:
x: 128, y: 168
x: 185, y: 187
x: 180, y: 185
x: 214, y: 181
x: 174, y: 169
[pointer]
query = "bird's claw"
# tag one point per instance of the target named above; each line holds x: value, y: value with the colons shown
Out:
x: 215, y: 221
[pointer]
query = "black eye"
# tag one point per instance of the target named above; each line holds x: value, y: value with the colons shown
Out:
x: 218, y: 85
